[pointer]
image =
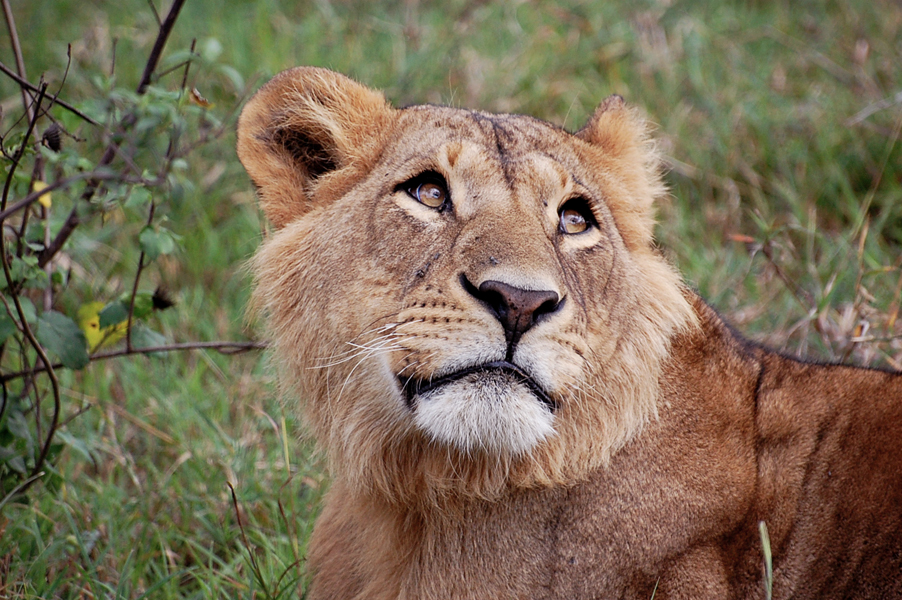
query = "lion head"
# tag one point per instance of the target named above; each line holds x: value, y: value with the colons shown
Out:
x: 462, y: 302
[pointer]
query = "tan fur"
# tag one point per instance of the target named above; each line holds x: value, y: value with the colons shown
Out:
x: 670, y: 436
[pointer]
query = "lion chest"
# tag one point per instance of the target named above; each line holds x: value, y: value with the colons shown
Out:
x: 610, y: 537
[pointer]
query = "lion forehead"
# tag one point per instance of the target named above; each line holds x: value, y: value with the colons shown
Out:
x: 427, y: 128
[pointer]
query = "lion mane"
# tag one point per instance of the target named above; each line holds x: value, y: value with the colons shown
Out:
x: 517, y: 395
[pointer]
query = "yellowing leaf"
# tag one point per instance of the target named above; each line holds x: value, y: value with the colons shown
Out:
x: 196, y: 98
x: 89, y: 322
x: 44, y: 199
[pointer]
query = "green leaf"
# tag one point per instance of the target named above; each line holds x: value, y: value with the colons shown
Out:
x: 146, y: 124
x: 17, y: 464
x: 144, y: 337
x: 61, y: 336
x: 27, y: 271
x: 7, y: 453
x: 83, y: 164
x: 177, y: 57
x: 7, y: 327
x: 143, y: 305
x: 77, y: 444
x: 138, y: 198
x: 112, y: 314
x: 143, y: 308
x: 233, y: 76
x: 155, y: 242
x: 31, y: 315
x: 17, y: 425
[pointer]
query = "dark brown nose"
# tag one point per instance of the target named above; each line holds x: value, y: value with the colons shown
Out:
x: 516, y: 309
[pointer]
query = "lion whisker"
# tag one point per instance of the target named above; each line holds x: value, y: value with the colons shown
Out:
x: 378, y: 344
x: 364, y: 356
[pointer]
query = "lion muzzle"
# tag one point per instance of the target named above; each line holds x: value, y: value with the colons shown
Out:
x: 494, y: 407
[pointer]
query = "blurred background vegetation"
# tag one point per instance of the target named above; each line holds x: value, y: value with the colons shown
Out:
x: 179, y: 475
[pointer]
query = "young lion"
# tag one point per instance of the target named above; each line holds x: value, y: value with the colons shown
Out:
x: 517, y: 395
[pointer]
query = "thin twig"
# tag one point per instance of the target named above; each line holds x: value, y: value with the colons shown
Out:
x: 44, y: 363
x: 53, y: 99
x: 223, y: 347
x: 188, y: 65
x: 21, y: 488
x: 874, y: 108
x: 156, y: 13
x: 20, y: 151
x: 131, y: 303
x: 173, y: 68
x: 255, y: 568
x: 62, y: 183
x: 113, y: 57
x: 801, y: 294
x: 818, y: 58
x: 17, y: 52
x: 30, y: 86
x: 155, y: 52
x: 288, y: 523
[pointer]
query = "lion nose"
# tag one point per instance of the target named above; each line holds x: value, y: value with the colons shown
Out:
x: 516, y: 309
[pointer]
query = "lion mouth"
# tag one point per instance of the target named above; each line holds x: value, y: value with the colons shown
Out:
x: 412, y: 388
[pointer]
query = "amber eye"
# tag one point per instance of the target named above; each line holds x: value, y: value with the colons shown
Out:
x: 428, y: 188
x: 430, y: 193
x: 576, y: 217
x: 572, y: 221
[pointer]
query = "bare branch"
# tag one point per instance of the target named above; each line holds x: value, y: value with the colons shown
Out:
x: 804, y: 298
x: 113, y: 59
x: 157, y: 50
x: 21, y: 150
x: 156, y: 14
x: 28, y: 85
x: 44, y: 363
x: 188, y: 65
x: 131, y: 303
x: 62, y: 183
x: 223, y: 347
x: 20, y: 489
x: 17, y: 51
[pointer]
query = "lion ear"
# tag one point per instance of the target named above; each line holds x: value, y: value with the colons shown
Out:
x: 621, y: 135
x: 302, y: 129
x: 602, y: 128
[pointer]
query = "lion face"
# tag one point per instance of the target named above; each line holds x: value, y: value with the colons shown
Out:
x: 488, y: 318
x: 462, y: 301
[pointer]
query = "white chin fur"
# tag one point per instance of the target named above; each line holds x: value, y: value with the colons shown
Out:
x: 484, y: 411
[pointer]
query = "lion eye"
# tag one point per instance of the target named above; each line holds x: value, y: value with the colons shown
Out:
x: 572, y: 221
x: 429, y: 189
x: 431, y: 194
x: 576, y: 217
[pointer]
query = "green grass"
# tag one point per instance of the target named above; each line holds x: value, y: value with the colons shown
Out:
x: 786, y: 214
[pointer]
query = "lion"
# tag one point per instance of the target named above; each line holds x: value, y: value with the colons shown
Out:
x: 516, y: 394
